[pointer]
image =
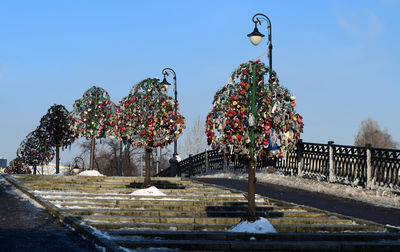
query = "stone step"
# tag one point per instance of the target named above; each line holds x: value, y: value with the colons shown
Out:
x: 163, y: 219
x: 131, y: 183
x: 127, y: 193
x: 316, y: 220
x: 184, y: 235
x: 125, y: 184
x: 193, y: 213
x: 96, y: 178
x: 98, y: 188
x: 209, y: 245
x: 299, y: 228
x: 307, y: 228
x: 189, y: 218
x: 107, y: 198
x: 106, y: 226
x: 175, y: 207
x: 154, y: 201
x: 111, y: 182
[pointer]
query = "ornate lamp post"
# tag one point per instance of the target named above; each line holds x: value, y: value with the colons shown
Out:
x: 255, y: 39
x: 256, y: 36
x: 175, y: 157
x: 164, y: 82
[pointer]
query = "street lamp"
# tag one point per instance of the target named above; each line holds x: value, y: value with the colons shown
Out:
x: 164, y: 82
x: 255, y: 39
x: 256, y: 36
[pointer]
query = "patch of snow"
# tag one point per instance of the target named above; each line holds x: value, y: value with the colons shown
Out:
x: 100, y: 248
x: 152, y: 190
x: 14, y: 191
x: 90, y: 173
x: 101, y: 234
x: 260, y: 226
x: 57, y: 174
x: 395, y: 227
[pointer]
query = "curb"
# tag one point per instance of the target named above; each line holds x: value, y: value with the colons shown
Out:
x: 79, y: 226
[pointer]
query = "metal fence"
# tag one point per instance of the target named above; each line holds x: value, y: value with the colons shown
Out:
x: 363, y: 166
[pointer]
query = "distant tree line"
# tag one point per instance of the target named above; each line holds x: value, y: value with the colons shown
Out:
x: 371, y: 133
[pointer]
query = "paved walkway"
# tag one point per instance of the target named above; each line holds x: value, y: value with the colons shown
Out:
x: 348, y: 207
x: 24, y: 227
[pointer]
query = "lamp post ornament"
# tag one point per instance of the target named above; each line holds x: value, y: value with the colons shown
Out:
x: 148, y: 118
x: 253, y: 116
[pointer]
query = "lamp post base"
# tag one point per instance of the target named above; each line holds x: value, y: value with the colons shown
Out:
x: 173, y: 162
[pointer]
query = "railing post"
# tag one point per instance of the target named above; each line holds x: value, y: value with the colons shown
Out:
x: 206, y: 160
x: 369, y: 165
x: 332, y: 176
x: 190, y: 165
x: 300, y: 161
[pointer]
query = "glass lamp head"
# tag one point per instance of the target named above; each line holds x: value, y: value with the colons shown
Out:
x: 255, y: 36
x: 165, y: 83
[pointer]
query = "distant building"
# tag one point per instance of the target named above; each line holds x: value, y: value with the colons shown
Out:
x: 3, y: 162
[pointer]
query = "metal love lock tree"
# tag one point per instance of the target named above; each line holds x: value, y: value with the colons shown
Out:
x: 55, y: 130
x: 148, y: 118
x: 91, y: 116
x: 17, y: 166
x: 34, y: 151
x: 254, y: 118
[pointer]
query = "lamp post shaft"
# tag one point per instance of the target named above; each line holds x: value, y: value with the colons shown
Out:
x: 165, y: 72
x: 176, y: 106
x: 270, y: 48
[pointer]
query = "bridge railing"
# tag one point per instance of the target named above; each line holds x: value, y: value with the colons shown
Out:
x: 364, y: 166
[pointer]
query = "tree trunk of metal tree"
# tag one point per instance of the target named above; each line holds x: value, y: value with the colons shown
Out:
x: 92, y: 153
x: 251, y: 204
x: 34, y: 169
x: 147, y: 181
x: 120, y: 158
x: 57, y: 159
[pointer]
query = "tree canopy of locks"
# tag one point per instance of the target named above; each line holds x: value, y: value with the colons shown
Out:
x: 277, y: 124
x: 55, y: 127
x: 146, y: 117
x: 34, y: 151
x: 17, y: 166
x: 91, y: 117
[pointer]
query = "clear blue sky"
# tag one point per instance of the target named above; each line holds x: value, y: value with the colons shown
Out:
x: 340, y: 58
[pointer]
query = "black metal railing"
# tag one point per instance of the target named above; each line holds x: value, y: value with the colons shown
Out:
x: 364, y: 166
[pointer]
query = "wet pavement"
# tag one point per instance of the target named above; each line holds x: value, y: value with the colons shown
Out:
x: 344, y: 206
x: 25, y: 227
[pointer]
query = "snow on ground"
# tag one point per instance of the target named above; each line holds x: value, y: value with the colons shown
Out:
x: 151, y: 191
x: 90, y: 173
x: 380, y: 196
x: 14, y: 191
x: 261, y: 225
